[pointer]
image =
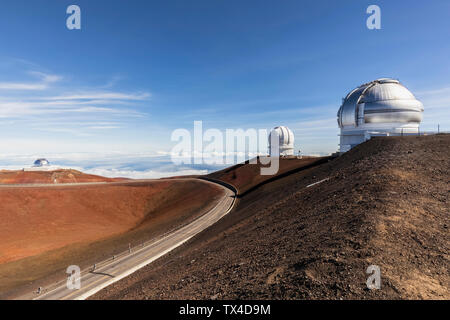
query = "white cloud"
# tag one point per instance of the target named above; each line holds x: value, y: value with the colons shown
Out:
x: 134, y: 166
x: 101, y: 96
x: 22, y: 86
x: 146, y: 174
x: 46, y: 78
x: 75, y: 132
x: 45, y: 81
x: 112, y: 82
x: 20, y: 109
x: 443, y: 90
x: 68, y: 103
x: 104, y: 127
x: 435, y: 98
x: 315, y: 125
x: 436, y: 102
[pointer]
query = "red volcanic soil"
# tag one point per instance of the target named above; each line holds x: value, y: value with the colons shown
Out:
x: 385, y: 203
x: 35, y: 220
x: 54, y: 176
x: 245, y: 177
x: 45, y: 229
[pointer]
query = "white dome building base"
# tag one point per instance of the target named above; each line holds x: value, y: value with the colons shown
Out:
x: 285, y: 139
x: 382, y: 107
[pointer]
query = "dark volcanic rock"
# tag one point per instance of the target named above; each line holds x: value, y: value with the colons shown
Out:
x: 386, y: 203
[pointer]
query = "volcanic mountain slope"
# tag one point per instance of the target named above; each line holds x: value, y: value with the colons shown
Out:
x: 385, y: 203
x: 46, y: 229
x: 53, y: 176
x: 245, y: 177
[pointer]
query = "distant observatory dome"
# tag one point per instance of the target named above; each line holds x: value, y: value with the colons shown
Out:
x: 286, y: 140
x: 381, y: 107
x: 41, y: 162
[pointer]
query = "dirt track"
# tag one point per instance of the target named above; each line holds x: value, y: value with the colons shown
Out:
x: 386, y: 203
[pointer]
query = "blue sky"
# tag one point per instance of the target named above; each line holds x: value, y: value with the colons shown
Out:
x: 137, y: 70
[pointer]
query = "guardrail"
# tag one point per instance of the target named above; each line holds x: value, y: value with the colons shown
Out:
x: 222, y: 183
x: 91, y: 268
x: 98, y: 265
x: 402, y: 134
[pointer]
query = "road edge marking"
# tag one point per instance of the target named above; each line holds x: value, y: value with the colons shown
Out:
x: 93, y: 291
x: 128, y: 272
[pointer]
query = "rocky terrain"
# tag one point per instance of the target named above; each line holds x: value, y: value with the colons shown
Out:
x: 245, y: 177
x: 385, y: 203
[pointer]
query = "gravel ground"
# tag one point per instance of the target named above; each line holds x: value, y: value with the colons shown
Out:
x: 386, y: 203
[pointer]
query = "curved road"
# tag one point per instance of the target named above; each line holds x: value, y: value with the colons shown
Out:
x: 115, y: 269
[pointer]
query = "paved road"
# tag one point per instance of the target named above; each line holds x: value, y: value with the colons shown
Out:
x: 114, y: 270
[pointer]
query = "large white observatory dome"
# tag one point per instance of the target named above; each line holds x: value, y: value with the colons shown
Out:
x: 286, y: 140
x: 380, y: 107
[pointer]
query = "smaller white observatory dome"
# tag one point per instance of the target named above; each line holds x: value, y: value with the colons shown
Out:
x: 381, y: 107
x: 285, y: 141
x: 41, y: 163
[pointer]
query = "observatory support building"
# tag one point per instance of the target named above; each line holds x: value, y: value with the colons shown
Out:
x: 381, y: 107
